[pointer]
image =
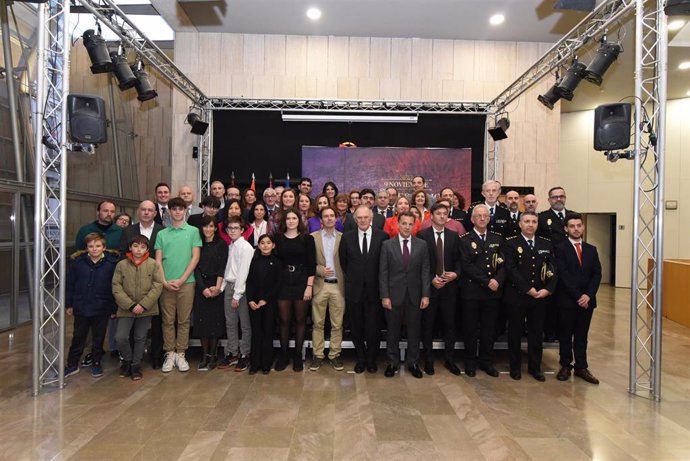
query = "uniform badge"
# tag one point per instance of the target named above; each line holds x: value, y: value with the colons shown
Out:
x: 474, y: 246
x: 548, y: 221
x: 519, y: 250
x: 546, y: 271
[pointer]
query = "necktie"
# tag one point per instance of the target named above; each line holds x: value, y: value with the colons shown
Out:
x: 560, y: 215
x: 439, y: 254
x: 531, y: 244
x: 165, y: 216
x: 491, y: 214
x: 514, y: 217
x: 406, y: 253
x: 578, y: 248
x: 483, y: 236
x: 364, y: 245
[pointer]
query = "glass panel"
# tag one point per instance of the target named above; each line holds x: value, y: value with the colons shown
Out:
x: 5, y: 286
x: 24, y: 313
x: 6, y: 216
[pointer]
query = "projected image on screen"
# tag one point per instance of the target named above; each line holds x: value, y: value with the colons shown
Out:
x: 381, y: 167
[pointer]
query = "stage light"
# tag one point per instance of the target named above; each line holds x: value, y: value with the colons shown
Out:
x: 572, y: 78
x: 98, y: 52
x: 123, y: 73
x: 497, y: 19
x: 551, y: 97
x: 677, y: 7
x: 145, y: 90
x: 195, y: 121
x: 314, y: 14
x: 498, y: 132
x: 606, y: 54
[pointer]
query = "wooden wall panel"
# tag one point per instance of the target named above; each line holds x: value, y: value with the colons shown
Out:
x: 296, y: 55
x: 380, y: 58
x: 338, y: 56
x: 401, y: 58
x: 358, y: 57
x: 275, y: 55
x: 442, y: 57
x: 422, y: 59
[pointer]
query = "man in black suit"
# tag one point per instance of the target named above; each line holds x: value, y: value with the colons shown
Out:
x: 444, y: 266
x: 368, y: 197
x: 498, y: 213
x: 360, y: 253
x: 456, y: 214
x: 481, y: 285
x: 579, y: 273
x: 404, y: 285
x: 382, y: 204
x: 513, y: 204
x: 149, y: 228
x: 532, y: 277
x: 162, y: 216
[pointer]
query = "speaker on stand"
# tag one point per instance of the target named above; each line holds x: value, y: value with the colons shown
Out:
x: 87, y: 122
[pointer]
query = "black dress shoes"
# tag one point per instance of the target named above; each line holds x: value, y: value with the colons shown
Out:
x: 415, y: 371
x: 538, y: 375
x: 516, y: 375
x: 453, y: 368
x: 586, y: 375
x: 471, y: 372
x: 359, y: 368
x: 489, y: 370
x: 372, y: 368
x: 563, y: 374
x: 390, y: 371
x: 429, y: 367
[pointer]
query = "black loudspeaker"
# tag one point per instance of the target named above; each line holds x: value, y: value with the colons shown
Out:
x: 612, y: 126
x: 677, y: 7
x: 86, y: 119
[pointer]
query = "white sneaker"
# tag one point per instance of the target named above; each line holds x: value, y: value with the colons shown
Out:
x: 181, y: 362
x: 169, y: 362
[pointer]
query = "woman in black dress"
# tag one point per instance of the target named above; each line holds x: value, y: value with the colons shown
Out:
x: 209, y: 315
x: 263, y: 283
x: 296, y: 251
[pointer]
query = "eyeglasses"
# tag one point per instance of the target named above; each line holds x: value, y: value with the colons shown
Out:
x: 234, y: 228
x: 558, y: 197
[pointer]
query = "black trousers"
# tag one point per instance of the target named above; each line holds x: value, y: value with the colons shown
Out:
x: 444, y: 303
x: 156, y: 339
x: 534, y: 313
x: 262, y: 322
x: 365, y: 328
x: 479, y: 323
x: 82, y: 325
x: 413, y: 317
x: 573, y: 333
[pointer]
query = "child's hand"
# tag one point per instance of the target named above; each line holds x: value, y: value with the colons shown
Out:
x: 138, y: 309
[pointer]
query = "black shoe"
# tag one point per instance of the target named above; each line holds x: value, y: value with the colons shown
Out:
x: 297, y: 363
x: 126, y: 370
x: 563, y: 374
x: 538, y: 375
x: 136, y: 373
x: 203, y: 364
x: 359, y: 367
x: 242, y: 363
x: 156, y: 363
x: 282, y: 362
x: 88, y: 360
x: 416, y: 372
x: 450, y: 366
x: 390, y: 371
x: 489, y: 370
x: 372, y: 368
x: 471, y: 372
x: 213, y: 362
x: 265, y: 371
x: 585, y: 374
x: 429, y: 367
x: 253, y: 370
x: 516, y: 375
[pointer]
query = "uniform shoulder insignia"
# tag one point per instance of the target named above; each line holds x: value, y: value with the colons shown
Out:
x: 512, y: 237
x: 496, y: 233
x: 502, y: 205
x: 544, y: 238
x: 465, y: 234
x: 476, y: 203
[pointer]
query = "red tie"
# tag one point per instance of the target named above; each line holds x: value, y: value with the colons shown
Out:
x: 578, y: 248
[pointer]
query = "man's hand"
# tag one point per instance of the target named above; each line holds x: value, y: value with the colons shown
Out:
x: 583, y: 302
x: 493, y: 285
x: 449, y: 276
x: 424, y: 303
x: 386, y: 303
x: 253, y: 306
x: 438, y: 282
x: 328, y: 273
x: 533, y: 293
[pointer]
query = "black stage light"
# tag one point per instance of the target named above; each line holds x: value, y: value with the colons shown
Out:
x: 123, y: 73
x: 98, y: 52
x: 579, y: 5
x: 551, y: 97
x: 144, y: 89
x: 572, y: 78
x: 606, y: 54
x: 677, y: 7
x: 498, y: 132
x: 198, y: 125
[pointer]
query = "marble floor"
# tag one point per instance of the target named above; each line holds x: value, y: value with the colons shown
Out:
x: 340, y: 415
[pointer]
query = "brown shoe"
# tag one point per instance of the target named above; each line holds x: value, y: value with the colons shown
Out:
x: 586, y: 375
x: 563, y: 374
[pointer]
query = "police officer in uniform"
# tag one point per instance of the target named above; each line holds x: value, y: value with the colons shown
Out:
x: 532, y: 279
x: 498, y: 213
x: 481, y: 285
x: 513, y: 205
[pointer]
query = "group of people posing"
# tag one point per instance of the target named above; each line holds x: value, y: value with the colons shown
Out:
x: 374, y: 259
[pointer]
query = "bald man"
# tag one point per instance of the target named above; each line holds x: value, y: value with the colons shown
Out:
x: 513, y: 204
x: 530, y: 202
x: 186, y: 194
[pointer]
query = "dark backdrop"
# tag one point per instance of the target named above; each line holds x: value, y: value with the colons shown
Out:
x: 259, y: 142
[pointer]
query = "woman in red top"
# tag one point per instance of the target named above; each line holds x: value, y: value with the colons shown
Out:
x: 421, y: 201
x: 234, y: 209
x: 391, y: 225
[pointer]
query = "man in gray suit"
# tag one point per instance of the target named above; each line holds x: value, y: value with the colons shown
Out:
x: 404, y: 283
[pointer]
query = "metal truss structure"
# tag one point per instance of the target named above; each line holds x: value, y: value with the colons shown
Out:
x: 647, y: 261
x: 50, y: 130
x: 115, y: 19
x: 205, y: 155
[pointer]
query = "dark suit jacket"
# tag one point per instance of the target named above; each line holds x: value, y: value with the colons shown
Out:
x: 499, y: 223
x: 451, y: 254
x: 350, y: 224
x: 457, y: 214
x: 398, y: 282
x: 551, y: 227
x: 575, y: 280
x: 361, y: 272
x: 513, y: 227
x: 158, y: 218
x: 526, y: 267
x: 481, y: 262
x: 133, y: 231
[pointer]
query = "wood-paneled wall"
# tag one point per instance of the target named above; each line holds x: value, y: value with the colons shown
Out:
x: 279, y: 66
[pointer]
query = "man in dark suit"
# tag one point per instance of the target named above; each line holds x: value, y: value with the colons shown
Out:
x: 404, y: 285
x: 532, y: 277
x: 579, y: 273
x: 444, y: 266
x: 162, y: 197
x: 360, y: 252
x: 498, y: 213
x: 382, y: 204
x: 368, y: 197
x: 513, y: 204
x: 481, y: 285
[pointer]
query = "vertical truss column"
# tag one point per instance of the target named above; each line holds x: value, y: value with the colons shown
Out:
x: 50, y: 131
x: 206, y: 155
x: 492, y: 163
x: 647, y: 262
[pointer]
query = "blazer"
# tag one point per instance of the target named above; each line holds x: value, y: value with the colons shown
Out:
x: 529, y: 268
x: 398, y: 282
x: 551, y: 227
x: 361, y: 271
x: 575, y: 280
x: 513, y: 227
x: 481, y: 261
x: 321, y: 262
x: 451, y: 254
x: 377, y: 222
x: 499, y: 222
x: 456, y: 214
x: 132, y: 231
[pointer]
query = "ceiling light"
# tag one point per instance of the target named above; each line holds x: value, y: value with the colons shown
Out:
x: 551, y: 97
x: 98, y: 52
x: 145, y: 90
x: 572, y: 78
x: 676, y: 25
x: 606, y: 54
x: 195, y: 120
x: 685, y: 65
x: 314, y: 13
x: 497, y: 19
x: 123, y: 73
x: 498, y: 131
